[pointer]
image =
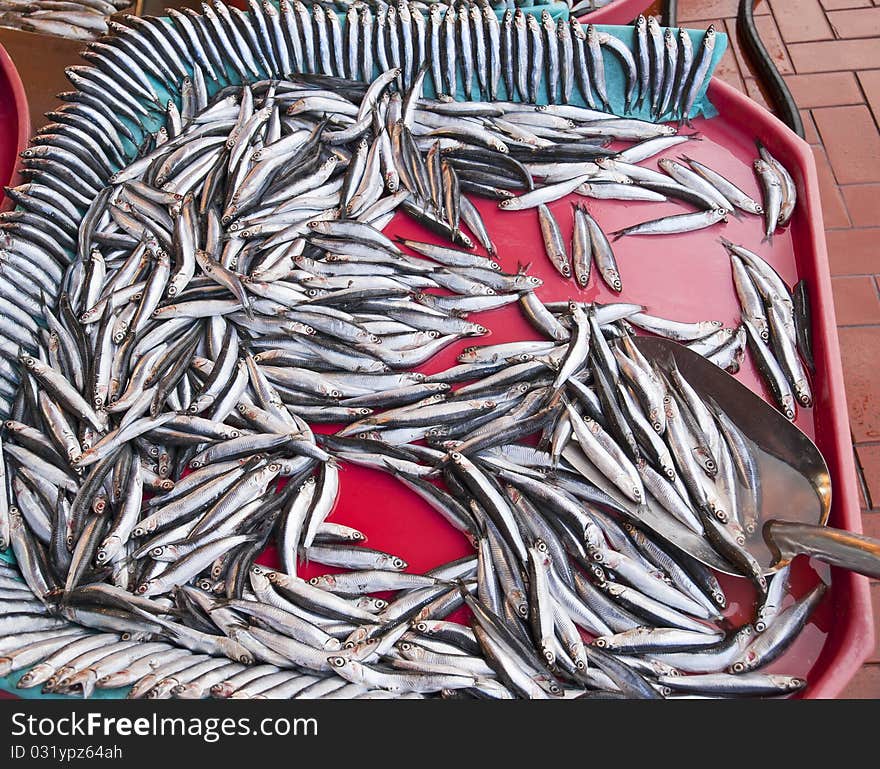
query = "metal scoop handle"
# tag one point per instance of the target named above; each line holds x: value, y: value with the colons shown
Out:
x: 834, y: 546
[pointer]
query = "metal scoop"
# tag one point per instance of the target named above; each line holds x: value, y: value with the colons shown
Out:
x: 795, y: 483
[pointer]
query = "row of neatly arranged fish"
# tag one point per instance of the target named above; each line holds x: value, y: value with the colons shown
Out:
x: 466, y: 48
x: 73, y: 19
x: 575, y: 8
x: 231, y: 285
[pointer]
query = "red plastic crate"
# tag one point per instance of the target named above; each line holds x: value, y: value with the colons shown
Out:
x: 15, y: 124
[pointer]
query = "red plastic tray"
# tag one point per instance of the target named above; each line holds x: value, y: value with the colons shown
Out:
x: 15, y: 124
x: 686, y: 277
x: 617, y: 12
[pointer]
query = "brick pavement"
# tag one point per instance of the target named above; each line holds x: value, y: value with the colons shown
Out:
x: 829, y: 53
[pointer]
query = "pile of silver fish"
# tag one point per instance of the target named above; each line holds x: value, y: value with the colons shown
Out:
x: 777, y: 323
x: 206, y: 299
x: 71, y: 19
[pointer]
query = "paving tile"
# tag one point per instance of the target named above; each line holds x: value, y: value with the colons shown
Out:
x: 800, y: 20
x: 835, y: 55
x: 859, y: 22
x: 825, y: 89
x: 727, y: 70
x: 870, y: 82
x: 869, y: 459
x: 833, y: 210
x: 859, y: 347
x: 863, y: 204
x: 811, y: 135
x: 853, y: 252
x: 871, y: 523
x: 756, y: 94
x: 699, y: 10
x: 851, y: 141
x: 875, y: 604
x: 733, y: 44
x: 831, y: 5
x: 769, y: 33
x: 864, y: 686
x: 855, y: 301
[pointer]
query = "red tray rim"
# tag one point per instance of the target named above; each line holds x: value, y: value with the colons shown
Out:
x: 23, y: 119
x: 856, y: 636
x: 617, y: 12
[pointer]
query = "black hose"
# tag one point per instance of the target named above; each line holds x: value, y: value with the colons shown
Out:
x: 669, y: 16
x: 780, y: 97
